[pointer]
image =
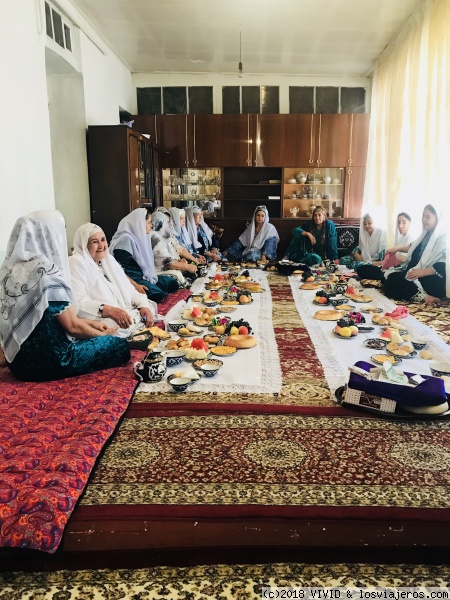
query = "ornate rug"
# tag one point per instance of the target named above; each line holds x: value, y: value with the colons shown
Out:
x: 271, y: 466
x: 221, y: 582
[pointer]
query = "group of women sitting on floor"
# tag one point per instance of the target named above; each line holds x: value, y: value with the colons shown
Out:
x: 63, y: 316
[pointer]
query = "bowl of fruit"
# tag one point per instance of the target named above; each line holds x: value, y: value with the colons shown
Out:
x: 346, y: 328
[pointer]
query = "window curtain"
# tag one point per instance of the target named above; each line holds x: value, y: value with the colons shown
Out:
x: 408, y: 161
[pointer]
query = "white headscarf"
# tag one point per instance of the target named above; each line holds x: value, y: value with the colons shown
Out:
x: 253, y: 241
x: 203, y: 226
x: 131, y: 235
x: 435, y: 250
x: 192, y: 227
x: 371, y: 245
x: 93, y: 284
x: 163, y: 250
x: 403, y: 239
x: 35, y: 272
x: 181, y: 233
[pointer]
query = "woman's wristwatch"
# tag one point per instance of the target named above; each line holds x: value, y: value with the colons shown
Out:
x: 100, y: 309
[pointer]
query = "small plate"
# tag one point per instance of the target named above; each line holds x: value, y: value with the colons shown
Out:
x: 230, y: 303
x: 365, y: 301
x: 186, y: 335
x: 201, y: 361
x: 410, y: 355
x: 396, y: 360
x: 226, y: 309
x: 197, y: 298
x: 400, y: 331
x: 375, y: 344
x: 215, y: 350
x: 374, y: 311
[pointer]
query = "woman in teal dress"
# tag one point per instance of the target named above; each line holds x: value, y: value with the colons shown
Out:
x: 132, y: 248
x: 40, y: 334
x: 315, y: 241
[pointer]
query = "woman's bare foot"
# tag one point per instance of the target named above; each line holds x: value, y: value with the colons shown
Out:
x: 432, y: 301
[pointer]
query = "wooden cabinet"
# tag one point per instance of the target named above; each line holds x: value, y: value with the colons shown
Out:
x: 122, y: 174
x: 354, y: 191
x: 299, y: 140
x: 358, y: 139
x: 253, y: 140
x: 244, y: 189
x: 150, y: 125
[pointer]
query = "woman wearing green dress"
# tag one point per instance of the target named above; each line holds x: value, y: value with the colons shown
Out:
x: 315, y: 241
x: 40, y: 334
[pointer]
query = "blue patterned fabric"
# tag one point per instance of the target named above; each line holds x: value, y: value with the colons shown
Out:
x: 301, y: 250
x: 48, y: 354
x: 351, y: 263
x: 237, y: 251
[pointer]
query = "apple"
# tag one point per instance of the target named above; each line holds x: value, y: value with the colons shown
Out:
x: 354, y: 330
x: 243, y: 330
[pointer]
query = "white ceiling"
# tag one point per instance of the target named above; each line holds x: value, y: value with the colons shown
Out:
x: 305, y: 37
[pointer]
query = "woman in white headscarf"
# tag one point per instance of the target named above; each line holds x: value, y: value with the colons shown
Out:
x: 258, y: 242
x: 101, y: 288
x: 201, y: 235
x: 38, y: 320
x: 167, y: 258
x: 132, y: 248
x: 371, y: 246
x: 422, y: 277
x: 403, y: 237
x: 179, y: 230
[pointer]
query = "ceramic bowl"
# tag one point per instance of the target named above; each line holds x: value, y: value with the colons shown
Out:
x: 438, y: 369
x: 174, y: 358
x: 180, y: 384
x: 210, y: 303
x: 176, y: 325
x: 209, y: 370
x: 419, y: 344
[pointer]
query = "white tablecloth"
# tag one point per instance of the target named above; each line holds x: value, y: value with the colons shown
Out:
x: 256, y: 370
x: 336, y: 354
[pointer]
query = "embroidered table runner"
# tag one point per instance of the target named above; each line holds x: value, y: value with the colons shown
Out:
x: 336, y: 354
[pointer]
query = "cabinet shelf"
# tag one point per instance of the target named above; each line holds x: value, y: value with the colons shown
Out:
x: 253, y: 184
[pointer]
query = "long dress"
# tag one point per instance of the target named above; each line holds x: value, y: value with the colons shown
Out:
x: 48, y: 354
x: 32, y: 292
x: 301, y: 250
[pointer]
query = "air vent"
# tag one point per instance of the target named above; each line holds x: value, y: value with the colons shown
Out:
x: 58, y: 27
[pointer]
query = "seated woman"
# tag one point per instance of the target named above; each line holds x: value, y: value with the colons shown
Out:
x: 132, y: 248
x: 423, y: 274
x: 322, y: 237
x: 392, y: 257
x: 201, y: 235
x: 403, y: 237
x: 371, y: 246
x: 38, y: 320
x: 102, y: 289
x: 178, y: 228
x: 165, y: 251
x: 258, y: 242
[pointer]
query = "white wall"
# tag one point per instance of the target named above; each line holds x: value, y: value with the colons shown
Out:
x: 219, y: 80
x: 26, y: 182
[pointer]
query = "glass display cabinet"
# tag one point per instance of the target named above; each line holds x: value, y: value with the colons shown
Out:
x: 183, y: 188
x: 304, y: 188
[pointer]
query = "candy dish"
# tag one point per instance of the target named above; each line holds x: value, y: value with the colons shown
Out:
x: 380, y: 359
x: 375, y: 344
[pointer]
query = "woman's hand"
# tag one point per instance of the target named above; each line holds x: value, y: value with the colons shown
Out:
x: 147, y: 313
x: 310, y: 236
x: 392, y: 250
x: 414, y: 274
x: 103, y: 327
x: 201, y: 260
x: 377, y: 263
x: 140, y: 288
x: 120, y: 316
x: 190, y: 268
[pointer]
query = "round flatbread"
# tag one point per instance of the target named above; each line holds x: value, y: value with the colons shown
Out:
x: 328, y: 315
x: 427, y: 410
x: 310, y: 286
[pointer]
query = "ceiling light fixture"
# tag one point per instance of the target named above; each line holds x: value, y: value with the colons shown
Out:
x: 240, y: 68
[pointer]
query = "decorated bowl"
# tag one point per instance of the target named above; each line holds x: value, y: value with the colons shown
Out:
x: 174, y: 358
x: 176, y: 325
x: 179, y: 384
x: 438, y: 369
x: 209, y: 370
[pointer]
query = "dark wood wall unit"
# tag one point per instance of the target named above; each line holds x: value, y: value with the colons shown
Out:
x: 354, y: 191
x: 359, y: 124
x: 236, y: 150
x: 299, y: 140
x: 246, y: 188
x: 121, y: 174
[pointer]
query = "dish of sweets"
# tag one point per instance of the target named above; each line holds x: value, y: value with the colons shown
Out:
x: 375, y: 344
x: 371, y: 309
x: 223, y: 350
x: 197, y: 364
x: 403, y: 350
x: 380, y: 359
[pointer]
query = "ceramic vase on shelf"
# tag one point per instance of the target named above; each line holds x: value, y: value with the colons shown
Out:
x: 294, y: 211
x: 327, y: 179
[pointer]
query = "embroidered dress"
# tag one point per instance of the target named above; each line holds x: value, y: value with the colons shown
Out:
x: 301, y: 250
x: 34, y: 288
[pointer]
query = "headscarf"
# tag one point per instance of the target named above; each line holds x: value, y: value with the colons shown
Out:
x: 192, y: 227
x: 163, y: 250
x: 174, y: 243
x: 435, y: 250
x: 180, y: 233
x: 403, y: 239
x: 371, y: 245
x: 88, y: 278
x: 203, y: 226
x: 131, y: 236
x: 35, y: 272
x: 255, y: 241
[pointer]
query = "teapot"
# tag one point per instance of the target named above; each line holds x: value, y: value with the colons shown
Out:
x: 294, y: 211
x: 300, y: 177
x: 152, y: 368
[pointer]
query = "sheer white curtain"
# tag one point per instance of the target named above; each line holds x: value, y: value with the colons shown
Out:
x: 409, y: 142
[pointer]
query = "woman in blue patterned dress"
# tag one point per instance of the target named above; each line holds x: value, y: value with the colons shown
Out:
x: 40, y: 334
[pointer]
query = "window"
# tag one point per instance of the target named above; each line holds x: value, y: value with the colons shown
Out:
x: 327, y: 99
x: 250, y: 99
x: 149, y: 101
x: 175, y: 100
x: 58, y: 28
